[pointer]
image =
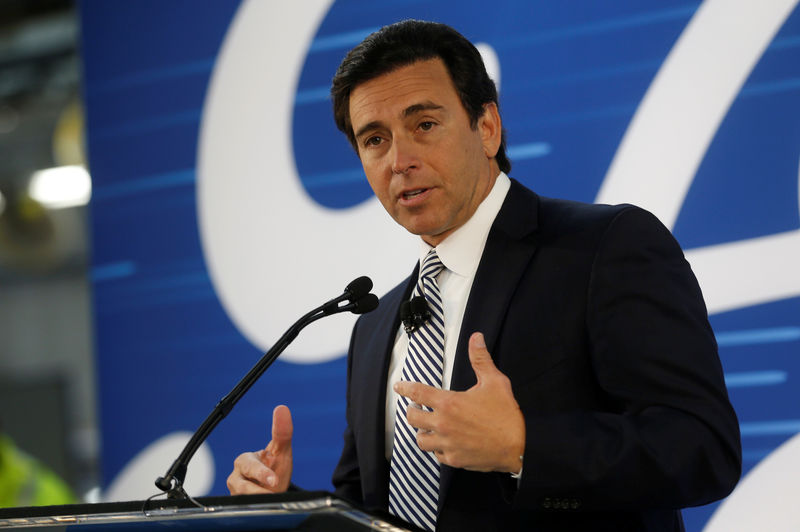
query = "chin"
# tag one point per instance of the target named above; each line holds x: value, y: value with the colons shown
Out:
x: 421, y: 229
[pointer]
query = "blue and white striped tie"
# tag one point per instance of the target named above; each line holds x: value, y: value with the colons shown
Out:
x: 414, y: 474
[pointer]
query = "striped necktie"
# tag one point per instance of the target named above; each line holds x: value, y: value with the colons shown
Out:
x: 414, y: 474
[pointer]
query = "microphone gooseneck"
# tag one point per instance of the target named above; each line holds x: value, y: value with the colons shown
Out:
x: 359, y: 301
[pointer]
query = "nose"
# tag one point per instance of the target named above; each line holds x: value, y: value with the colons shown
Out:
x: 403, y: 156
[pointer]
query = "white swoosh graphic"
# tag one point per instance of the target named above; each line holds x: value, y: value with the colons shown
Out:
x: 671, y: 131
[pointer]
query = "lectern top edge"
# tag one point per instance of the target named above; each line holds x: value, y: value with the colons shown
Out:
x: 312, y: 510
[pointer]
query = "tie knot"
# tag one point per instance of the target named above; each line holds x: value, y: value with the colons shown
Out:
x: 431, y: 266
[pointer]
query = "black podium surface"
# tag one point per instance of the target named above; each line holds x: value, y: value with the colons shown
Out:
x: 301, y: 511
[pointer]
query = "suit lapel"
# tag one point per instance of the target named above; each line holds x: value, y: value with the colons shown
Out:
x: 508, y: 251
x: 379, y: 368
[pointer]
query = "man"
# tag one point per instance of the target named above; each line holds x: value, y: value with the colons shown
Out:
x: 572, y: 377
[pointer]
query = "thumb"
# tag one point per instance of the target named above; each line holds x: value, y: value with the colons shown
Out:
x: 282, y: 427
x: 479, y: 356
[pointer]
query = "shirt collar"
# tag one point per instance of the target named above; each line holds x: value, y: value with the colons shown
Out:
x: 461, y: 251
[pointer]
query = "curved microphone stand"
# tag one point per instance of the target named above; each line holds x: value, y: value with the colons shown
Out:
x: 360, y: 302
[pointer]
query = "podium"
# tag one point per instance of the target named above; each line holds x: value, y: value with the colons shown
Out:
x: 291, y: 511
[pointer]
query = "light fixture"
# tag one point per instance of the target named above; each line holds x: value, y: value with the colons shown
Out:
x: 61, y: 187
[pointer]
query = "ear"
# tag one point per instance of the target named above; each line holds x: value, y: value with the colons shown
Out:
x: 490, y: 129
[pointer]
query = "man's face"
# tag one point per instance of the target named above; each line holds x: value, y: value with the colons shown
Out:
x: 426, y: 165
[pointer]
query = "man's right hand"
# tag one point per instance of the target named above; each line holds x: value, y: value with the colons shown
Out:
x: 270, y: 469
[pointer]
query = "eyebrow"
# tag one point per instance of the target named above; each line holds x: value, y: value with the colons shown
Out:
x: 408, y: 111
x: 418, y: 107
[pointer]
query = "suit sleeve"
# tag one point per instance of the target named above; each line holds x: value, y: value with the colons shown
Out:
x: 667, y: 435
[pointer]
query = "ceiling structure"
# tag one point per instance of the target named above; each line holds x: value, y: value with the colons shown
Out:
x: 39, y: 91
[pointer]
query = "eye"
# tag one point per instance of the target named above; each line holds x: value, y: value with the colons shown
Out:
x: 373, y: 141
x: 426, y: 126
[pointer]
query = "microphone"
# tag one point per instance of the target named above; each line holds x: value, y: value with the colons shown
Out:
x: 353, y: 292
x: 358, y: 288
x: 414, y: 313
x: 368, y: 303
x: 359, y: 300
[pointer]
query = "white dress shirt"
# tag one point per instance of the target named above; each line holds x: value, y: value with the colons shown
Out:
x: 460, y: 253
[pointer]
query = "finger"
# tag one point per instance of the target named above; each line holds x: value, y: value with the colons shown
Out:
x: 282, y: 428
x: 270, y: 460
x: 250, y: 468
x: 420, y: 419
x: 479, y: 356
x: 429, y: 441
x: 419, y: 393
x: 238, y: 485
x: 256, y: 471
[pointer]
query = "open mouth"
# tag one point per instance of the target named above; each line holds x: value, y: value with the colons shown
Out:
x: 413, y: 193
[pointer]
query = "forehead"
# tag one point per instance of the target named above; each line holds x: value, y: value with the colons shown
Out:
x: 391, y: 93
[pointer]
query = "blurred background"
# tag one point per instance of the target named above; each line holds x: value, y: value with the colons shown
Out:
x: 47, y: 386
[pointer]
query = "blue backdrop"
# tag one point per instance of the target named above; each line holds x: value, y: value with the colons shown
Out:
x: 572, y: 76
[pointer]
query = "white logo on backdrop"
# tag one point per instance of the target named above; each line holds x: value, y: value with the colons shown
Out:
x: 671, y: 131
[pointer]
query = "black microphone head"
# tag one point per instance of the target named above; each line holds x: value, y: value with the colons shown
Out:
x: 405, y: 310
x: 419, y: 306
x: 368, y: 303
x: 406, y: 316
x: 358, y: 288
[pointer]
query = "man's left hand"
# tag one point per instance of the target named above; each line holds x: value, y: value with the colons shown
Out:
x: 480, y: 429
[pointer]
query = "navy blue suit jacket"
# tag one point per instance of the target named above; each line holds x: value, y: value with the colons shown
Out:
x: 596, y: 318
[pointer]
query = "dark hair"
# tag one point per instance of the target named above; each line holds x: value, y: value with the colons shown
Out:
x: 407, y: 42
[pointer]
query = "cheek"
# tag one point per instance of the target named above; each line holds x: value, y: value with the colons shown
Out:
x: 378, y: 183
